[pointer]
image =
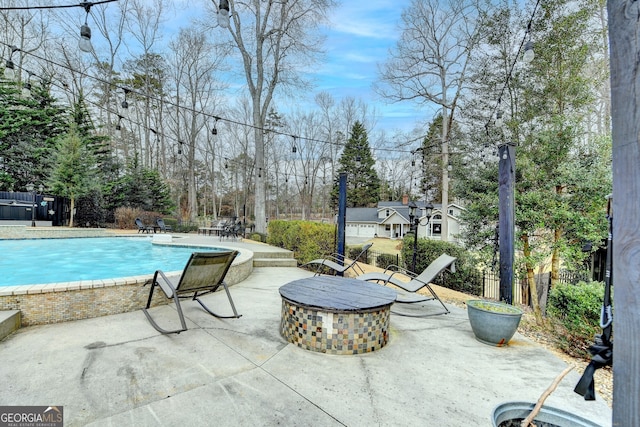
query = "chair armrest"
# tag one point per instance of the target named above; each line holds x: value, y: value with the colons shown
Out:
x: 164, y: 283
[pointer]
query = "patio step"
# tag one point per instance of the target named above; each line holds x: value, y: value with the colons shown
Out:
x: 9, y: 322
x: 275, y: 262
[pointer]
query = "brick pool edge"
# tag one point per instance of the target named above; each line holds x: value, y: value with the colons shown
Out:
x: 62, y: 302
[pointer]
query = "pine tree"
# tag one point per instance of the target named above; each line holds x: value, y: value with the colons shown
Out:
x: 363, y: 183
x: 28, y: 131
x: 73, y: 174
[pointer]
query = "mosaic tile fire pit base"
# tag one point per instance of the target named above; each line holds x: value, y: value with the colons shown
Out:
x: 334, y: 332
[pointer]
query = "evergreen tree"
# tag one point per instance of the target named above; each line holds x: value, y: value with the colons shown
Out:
x: 363, y: 183
x: 558, y: 202
x: 73, y: 174
x: 140, y: 188
x: 28, y: 131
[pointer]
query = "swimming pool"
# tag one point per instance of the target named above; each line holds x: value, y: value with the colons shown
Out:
x: 37, y: 261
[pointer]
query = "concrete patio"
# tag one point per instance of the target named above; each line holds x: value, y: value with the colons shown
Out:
x: 119, y: 371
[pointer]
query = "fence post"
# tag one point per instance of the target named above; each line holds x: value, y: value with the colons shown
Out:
x: 484, y: 282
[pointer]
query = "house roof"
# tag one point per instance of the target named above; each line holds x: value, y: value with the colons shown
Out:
x: 362, y: 215
x: 372, y: 214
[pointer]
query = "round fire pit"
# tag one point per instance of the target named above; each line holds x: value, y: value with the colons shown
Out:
x: 336, y: 315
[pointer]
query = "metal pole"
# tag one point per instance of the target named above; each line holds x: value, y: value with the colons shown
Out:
x: 414, y: 226
x: 506, y: 178
x: 342, y: 214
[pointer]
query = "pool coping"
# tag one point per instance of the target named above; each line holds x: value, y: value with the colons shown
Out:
x: 64, y: 301
x: 39, y: 288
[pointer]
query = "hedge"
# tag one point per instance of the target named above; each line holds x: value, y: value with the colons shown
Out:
x: 465, y: 279
x: 308, y: 240
x: 575, y: 308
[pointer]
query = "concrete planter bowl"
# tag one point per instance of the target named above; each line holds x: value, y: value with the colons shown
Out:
x: 493, y: 323
x: 510, y: 414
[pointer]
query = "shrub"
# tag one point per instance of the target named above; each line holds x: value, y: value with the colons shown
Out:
x: 171, y: 222
x: 185, y: 227
x: 258, y: 237
x: 465, y: 279
x: 385, y: 260
x: 575, y: 310
x: 89, y: 210
x: 307, y: 240
x: 126, y: 216
x: 353, y: 251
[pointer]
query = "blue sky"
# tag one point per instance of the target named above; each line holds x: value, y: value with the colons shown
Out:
x: 358, y: 41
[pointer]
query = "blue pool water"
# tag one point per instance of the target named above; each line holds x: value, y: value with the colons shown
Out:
x: 37, y: 261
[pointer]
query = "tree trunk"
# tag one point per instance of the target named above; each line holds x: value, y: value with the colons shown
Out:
x: 260, y: 196
x: 72, y: 207
x: 555, y: 257
x: 533, y: 290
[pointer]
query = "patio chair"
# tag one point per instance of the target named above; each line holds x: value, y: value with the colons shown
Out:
x: 335, y: 264
x: 408, y: 293
x: 162, y: 226
x: 232, y: 231
x: 143, y: 228
x: 203, y: 274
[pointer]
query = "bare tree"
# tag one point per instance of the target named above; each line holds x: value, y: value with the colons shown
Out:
x: 193, y: 64
x: 275, y: 40
x: 429, y: 62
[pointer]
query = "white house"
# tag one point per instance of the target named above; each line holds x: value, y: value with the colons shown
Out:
x: 391, y: 219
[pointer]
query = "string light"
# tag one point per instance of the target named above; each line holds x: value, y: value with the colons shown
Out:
x: 499, y: 118
x: 223, y: 14
x: 84, y: 43
x: 528, y: 48
x: 9, y: 70
x: 528, y: 52
x: 214, y: 131
x: 125, y: 105
x: 26, y: 87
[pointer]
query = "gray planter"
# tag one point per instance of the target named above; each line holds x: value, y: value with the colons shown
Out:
x: 492, y: 322
x: 551, y: 416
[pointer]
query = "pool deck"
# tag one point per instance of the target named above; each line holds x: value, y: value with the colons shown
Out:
x: 118, y: 370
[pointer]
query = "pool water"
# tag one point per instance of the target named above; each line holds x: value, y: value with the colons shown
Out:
x: 38, y: 261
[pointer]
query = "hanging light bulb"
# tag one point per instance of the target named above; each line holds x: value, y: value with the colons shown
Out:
x: 9, y: 70
x: 26, y: 90
x: 119, y: 125
x: 84, y: 43
x: 499, y: 118
x: 528, y: 52
x: 294, y: 149
x: 124, y: 103
x: 26, y: 87
x: 223, y: 14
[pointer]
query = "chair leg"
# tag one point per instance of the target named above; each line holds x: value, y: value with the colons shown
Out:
x: 153, y: 322
x: 434, y: 297
x: 233, y: 307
